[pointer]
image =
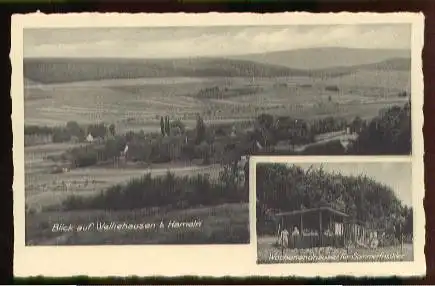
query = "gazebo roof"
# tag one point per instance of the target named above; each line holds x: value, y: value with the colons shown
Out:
x: 304, y: 211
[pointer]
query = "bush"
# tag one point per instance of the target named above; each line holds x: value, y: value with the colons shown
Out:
x: 332, y: 88
x: 189, y: 152
x: 84, y: 156
x: 177, y: 124
x: 97, y: 130
x: 387, y: 134
x: 74, y: 129
x: 61, y: 135
x: 150, y: 191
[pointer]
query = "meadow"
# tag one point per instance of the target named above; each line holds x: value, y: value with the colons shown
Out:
x: 223, y: 224
x: 137, y: 104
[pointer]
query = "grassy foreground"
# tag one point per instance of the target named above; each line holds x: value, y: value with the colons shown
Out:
x: 269, y: 253
x: 223, y: 224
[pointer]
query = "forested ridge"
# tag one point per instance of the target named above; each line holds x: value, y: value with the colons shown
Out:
x: 58, y: 70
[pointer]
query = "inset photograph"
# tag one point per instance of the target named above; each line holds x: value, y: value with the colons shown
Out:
x: 334, y: 212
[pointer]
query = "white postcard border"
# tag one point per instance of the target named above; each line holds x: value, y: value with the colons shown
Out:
x: 211, y: 260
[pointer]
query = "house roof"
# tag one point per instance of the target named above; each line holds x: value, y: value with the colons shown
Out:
x: 291, y: 213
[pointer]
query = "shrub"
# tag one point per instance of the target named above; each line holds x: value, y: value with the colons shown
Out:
x: 177, y: 124
x: 97, y: 130
x: 61, y: 135
x: 84, y: 156
x: 388, y: 134
x: 150, y: 191
x: 332, y: 88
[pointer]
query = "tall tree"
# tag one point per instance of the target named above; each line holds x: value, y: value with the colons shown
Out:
x: 177, y: 124
x: 167, y: 126
x: 200, y: 129
x: 74, y: 129
x: 97, y: 130
x: 388, y: 133
x: 112, y: 129
x: 162, y: 126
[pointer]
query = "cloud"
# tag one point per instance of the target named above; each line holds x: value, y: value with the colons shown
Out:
x: 203, y: 41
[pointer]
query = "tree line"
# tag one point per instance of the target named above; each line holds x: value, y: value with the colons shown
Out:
x: 387, y: 133
x: 72, y: 131
x: 207, y: 144
x: 165, y: 191
x: 287, y: 188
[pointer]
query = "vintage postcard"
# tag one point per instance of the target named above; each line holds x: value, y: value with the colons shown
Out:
x: 139, y: 136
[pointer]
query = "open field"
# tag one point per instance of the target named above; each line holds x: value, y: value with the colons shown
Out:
x: 37, y: 160
x: 134, y: 93
x: 137, y: 104
x: 219, y: 225
x: 268, y: 252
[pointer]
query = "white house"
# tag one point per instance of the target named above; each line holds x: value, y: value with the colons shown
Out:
x: 124, y: 153
x: 89, y: 138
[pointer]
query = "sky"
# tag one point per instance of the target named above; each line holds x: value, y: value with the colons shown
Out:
x: 179, y: 42
x: 396, y: 175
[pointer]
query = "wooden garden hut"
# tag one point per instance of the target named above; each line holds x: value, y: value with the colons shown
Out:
x: 316, y: 227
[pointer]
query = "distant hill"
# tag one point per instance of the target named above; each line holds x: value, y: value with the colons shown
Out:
x: 321, y: 58
x: 396, y: 64
x: 70, y: 70
x: 58, y: 70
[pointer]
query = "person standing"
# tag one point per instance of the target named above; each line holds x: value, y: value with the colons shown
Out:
x: 284, y: 238
x: 295, y: 231
x: 295, y: 237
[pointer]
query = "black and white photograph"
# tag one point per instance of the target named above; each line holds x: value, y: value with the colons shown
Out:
x: 140, y: 130
x: 155, y: 124
x: 334, y: 212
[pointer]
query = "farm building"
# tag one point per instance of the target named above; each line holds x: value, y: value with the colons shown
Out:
x: 323, y: 227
